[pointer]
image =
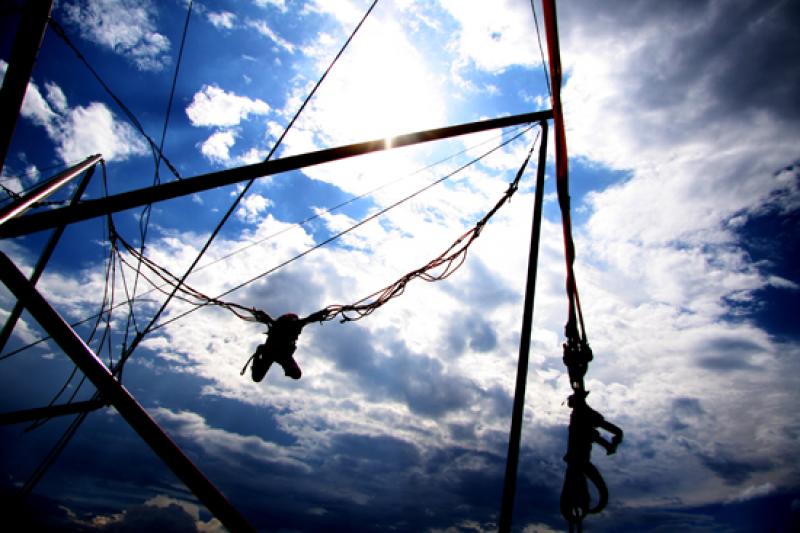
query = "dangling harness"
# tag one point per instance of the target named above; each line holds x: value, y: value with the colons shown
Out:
x: 584, y: 420
x: 583, y: 424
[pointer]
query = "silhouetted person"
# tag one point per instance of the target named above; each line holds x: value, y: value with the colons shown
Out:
x: 583, y: 424
x: 282, y: 334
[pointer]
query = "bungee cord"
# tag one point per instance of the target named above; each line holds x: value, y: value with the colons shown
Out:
x: 141, y: 298
x: 151, y: 324
x: 287, y: 328
x: 59, y: 30
x: 449, y: 261
x: 144, y: 218
x: 584, y: 421
x: 445, y: 257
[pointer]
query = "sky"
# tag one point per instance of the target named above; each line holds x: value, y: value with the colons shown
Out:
x: 682, y: 121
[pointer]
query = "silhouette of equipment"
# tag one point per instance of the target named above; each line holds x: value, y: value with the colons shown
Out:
x: 577, y: 356
x: 583, y: 433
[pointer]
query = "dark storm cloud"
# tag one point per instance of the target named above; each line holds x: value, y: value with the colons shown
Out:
x: 733, y: 471
x: 742, y: 54
x: 394, y: 371
x: 289, y: 290
x: 376, y: 454
x: 727, y: 354
x: 686, y: 412
x: 478, y: 289
x: 472, y: 331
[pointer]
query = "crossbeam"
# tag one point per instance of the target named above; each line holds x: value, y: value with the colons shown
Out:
x: 122, y: 400
x: 39, y: 413
x: 157, y: 193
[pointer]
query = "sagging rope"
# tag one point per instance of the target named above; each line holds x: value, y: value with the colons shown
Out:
x: 449, y: 261
x: 283, y: 332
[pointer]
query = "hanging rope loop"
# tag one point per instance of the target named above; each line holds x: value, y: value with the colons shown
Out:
x: 583, y: 432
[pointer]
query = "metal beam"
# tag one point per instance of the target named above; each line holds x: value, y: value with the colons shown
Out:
x: 44, y: 258
x: 39, y: 413
x: 514, y: 437
x: 120, y: 398
x: 127, y: 200
x: 30, y: 33
x: 16, y: 208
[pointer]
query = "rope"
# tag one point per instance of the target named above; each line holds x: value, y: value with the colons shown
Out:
x: 59, y: 30
x: 541, y: 51
x: 338, y: 235
x: 449, y: 261
x: 144, y: 219
x: 575, y: 315
x: 584, y: 421
x: 198, y: 299
x: 130, y: 301
x: 150, y: 326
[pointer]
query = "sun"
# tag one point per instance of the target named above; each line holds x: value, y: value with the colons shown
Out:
x: 384, y: 88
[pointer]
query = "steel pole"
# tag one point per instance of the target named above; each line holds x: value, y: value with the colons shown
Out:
x: 30, y: 34
x: 38, y: 413
x: 44, y: 258
x: 174, y: 189
x: 41, y: 192
x: 117, y: 395
x: 515, y: 435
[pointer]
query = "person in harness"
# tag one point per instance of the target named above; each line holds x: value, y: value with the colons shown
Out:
x: 281, y: 343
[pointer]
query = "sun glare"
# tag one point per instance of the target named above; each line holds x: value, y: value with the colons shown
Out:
x: 384, y: 89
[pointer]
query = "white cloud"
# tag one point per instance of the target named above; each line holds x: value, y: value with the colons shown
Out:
x: 753, y: 491
x: 94, y: 130
x: 126, y: 27
x: 217, y: 147
x: 252, y: 208
x: 494, y: 37
x: 263, y: 28
x: 367, y: 97
x: 34, y: 106
x: 79, y: 131
x: 56, y: 97
x: 162, y: 511
x: 348, y: 13
x: 233, y: 446
x: 222, y: 19
x: 280, y: 4
x: 212, y: 106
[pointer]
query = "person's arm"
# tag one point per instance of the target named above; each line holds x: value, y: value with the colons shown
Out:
x: 263, y: 317
x: 319, y: 316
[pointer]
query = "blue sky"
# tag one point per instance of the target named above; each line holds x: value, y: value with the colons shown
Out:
x: 682, y: 127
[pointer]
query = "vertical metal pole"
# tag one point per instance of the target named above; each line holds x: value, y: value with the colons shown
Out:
x: 5, y: 334
x: 118, y: 396
x: 512, y: 459
x: 23, y: 56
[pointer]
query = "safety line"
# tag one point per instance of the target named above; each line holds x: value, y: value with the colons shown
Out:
x: 375, y: 215
x: 236, y: 202
x: 131, y: 301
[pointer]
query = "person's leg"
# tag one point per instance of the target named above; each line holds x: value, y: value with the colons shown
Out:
x: 290, y: 367
x: 261, y: 364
